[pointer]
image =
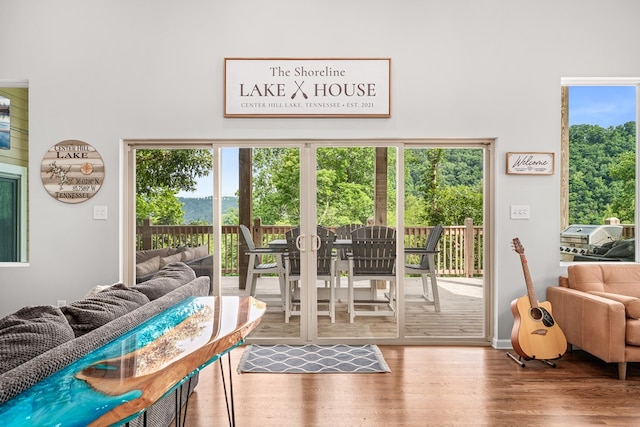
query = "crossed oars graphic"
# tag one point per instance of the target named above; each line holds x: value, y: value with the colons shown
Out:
x: 299, y: 90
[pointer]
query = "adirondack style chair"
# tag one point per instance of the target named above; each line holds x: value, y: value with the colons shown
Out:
x: 372, y: 258
x: 256, y: 264
x: 325, y: 271
x: 426, y: 268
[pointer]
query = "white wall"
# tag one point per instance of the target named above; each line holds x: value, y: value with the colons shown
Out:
x: 100, y: 70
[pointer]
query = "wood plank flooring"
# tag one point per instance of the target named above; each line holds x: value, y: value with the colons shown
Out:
x: 428, y: 386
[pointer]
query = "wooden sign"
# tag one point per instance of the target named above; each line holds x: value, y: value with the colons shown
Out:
x: 530, y: 163
x: 72, y: 171
x: 307, y: 87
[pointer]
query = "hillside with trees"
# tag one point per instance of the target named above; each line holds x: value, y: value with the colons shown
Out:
x: 442, y: 185
x: 199, y: 210
x: 602, y: 173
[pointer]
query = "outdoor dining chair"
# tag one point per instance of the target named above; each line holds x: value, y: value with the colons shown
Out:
x: 325, y: 270
x: 342, y: 261
x: 426, y: 268
x: 256, y: 264
x: 372, y: 259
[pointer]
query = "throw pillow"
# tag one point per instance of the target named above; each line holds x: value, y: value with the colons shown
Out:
x: 631, y: 304
x: 29, y: 332
x: 171, y: 258
x: 178, y: 271
x: 201, y: 251
x: 145, y: 254
x: 188, y: 255
x: 99, y: 309
x: 147, y: 267
x: 170, y: 277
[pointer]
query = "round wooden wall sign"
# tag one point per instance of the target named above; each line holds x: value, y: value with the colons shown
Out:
x: 72, y: 171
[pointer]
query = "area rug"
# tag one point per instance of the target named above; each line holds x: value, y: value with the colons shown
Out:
x: 336, y: 358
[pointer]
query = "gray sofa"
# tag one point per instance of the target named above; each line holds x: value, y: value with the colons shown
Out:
x: 150, y: 261
x: 35, y: 342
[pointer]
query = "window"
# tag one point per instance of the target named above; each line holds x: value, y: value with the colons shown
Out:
x: 14, y: 159
x: 598, y: 171
x: 13, y: 213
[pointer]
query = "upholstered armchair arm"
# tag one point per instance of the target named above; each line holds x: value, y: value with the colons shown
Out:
x: 591, y: 322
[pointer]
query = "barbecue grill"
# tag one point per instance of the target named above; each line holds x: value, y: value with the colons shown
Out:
x: 583, y: 239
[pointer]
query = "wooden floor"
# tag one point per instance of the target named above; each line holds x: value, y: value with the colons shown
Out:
x: 428, y: 386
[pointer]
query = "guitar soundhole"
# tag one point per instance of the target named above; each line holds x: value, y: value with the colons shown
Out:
x: 539, y: 313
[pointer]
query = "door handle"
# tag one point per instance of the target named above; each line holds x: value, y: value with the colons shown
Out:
x: 316, y: 243
x: 300, y: 243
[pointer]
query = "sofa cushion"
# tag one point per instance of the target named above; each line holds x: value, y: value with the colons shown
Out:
x: 100, y: 288
x: 631, y: 304
x: 170, y: 259
x: 632, y: 332
x: 147, y: 267
x: 146, y: 254
x: 170, y: 277
x: 29, y: 332
x: 202, y: 251
x: 188, y: 255
x: 623, y: 279
x: 92, y: 312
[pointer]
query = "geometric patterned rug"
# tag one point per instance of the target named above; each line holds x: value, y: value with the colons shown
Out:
x: 335, y: 358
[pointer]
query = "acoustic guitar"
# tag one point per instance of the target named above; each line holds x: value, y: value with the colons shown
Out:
x: 535, y: 334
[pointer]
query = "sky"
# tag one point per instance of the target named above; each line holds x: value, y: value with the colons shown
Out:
x: 595, y: 105
x: 229, y: 162
x: 602, y: 105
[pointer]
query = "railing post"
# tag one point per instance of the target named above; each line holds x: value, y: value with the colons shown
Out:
x: 147, y: 234
x: 469, y: 254
x: 257, y: 231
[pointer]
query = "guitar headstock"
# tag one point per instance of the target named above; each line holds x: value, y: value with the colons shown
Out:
x: 517, y: 246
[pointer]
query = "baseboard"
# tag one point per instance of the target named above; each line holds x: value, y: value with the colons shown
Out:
x: 502, y: 344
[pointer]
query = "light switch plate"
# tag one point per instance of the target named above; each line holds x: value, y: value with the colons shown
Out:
x: 99, y: 212
x: 520, y: 212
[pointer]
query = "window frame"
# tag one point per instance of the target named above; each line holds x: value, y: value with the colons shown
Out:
x: 565, y: 83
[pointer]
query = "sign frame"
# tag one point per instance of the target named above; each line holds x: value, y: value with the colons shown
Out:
x: 307, y: 87
x: 72, y: 171
x: 530, y: 163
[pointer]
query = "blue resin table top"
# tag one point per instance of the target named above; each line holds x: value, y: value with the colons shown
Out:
x: 119, y: 380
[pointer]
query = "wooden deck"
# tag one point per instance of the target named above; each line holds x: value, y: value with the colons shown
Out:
x: 461, y: 315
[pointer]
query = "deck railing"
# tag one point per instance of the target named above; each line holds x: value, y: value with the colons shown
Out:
x: 461, y: 246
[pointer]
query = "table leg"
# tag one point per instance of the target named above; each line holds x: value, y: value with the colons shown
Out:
x: 228, y: 397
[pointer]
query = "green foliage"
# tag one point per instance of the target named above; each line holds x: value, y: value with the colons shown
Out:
x: 443, y: 186
x: 601, y: 173
x: 199, y: 210
x: 276, y: 185
x: 161, y: 205
x: 623, y: 171
x: 435, y: 190
x: 456, y: 203
x: 160, y: 175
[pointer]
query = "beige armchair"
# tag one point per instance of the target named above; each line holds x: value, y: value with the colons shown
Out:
x: 598, y: 308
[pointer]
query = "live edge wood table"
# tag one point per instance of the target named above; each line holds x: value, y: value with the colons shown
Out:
x: 120, y: 380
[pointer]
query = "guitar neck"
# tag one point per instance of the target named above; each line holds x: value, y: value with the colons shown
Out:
x: 527, y: 278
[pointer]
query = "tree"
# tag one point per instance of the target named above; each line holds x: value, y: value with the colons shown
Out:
x: 436, y: 191
x: 623, y: 171
x: 601, y: 173
x: 161, y: 205
x: 160, y: 175
x: 344, y: 185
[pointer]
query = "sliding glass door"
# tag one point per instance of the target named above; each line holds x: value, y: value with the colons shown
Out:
x: 295, y: 224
